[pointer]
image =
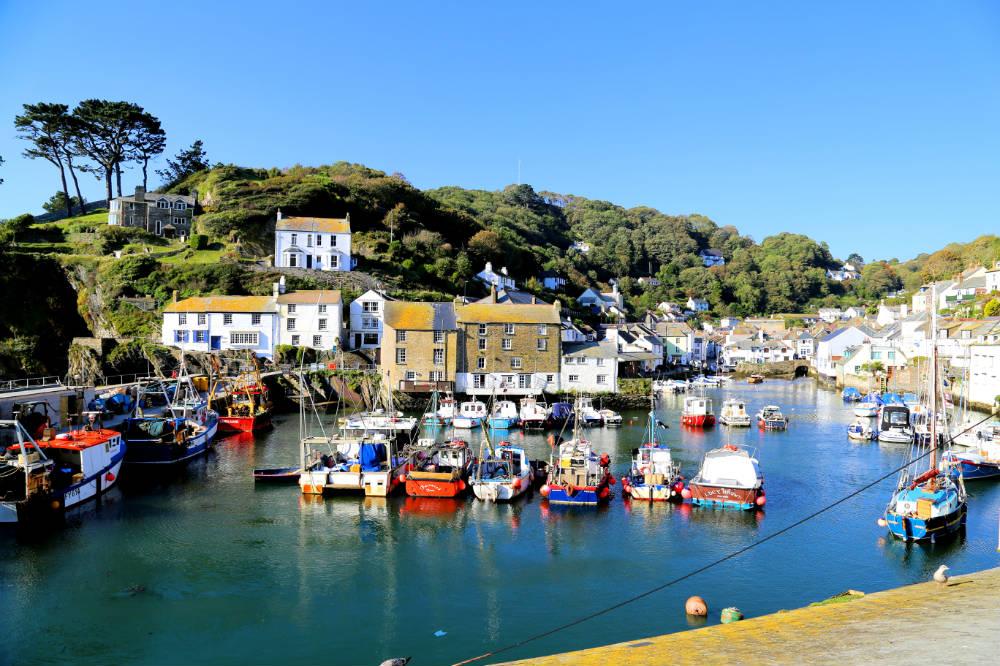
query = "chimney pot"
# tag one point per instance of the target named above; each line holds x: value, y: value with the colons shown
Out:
x: 175, y: 295
x: 279, y: 214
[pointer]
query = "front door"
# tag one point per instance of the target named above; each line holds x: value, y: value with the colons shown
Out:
x: 216, y: 342
x: 357, y: 341
x: 309, y: 261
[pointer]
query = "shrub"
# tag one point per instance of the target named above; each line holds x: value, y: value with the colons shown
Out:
x: 198, y: 241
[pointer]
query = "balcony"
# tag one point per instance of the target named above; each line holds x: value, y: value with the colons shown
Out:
x: 416, y: 386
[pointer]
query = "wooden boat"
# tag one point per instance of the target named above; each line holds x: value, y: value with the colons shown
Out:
x: 771, y: 418
x: 929, y: 505
x: 533, y: 413
x: 729, y: 477
x: 755, y: 379
x: 654, y: 476
x: 277, y: 474
x: 502, y: 475
x: 577, y: 475
x: 470, y: 415
x: 246, y: 407
x: 697, y: 412
x: 734, y: 414
x: 43, y: 477
x: 439, y: 470
x: 894, y: 425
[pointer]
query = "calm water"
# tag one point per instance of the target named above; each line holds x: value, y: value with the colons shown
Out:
x: 206, y: 568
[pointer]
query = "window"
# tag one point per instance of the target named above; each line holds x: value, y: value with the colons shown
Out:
x: 295, y: 341
x: 437, y: 375
x: 400, y: 336
x: 322, y: 324
x: 508, y: 329
x: 401, y: 356
x: 482, y: 344
x: 291, y: 308
x: 162, y: 203
x: 369, y: 322
x: 569, y: 360
x: 515, y: 363
x: 574, y: 378
x: 541, y: 344
x: 322, y: 309
x: 891, y: 355
x: 243, y: 339
x: 200, y: 336
x: 369, y: 306
x: 478, y: 381
x: 438, y: 357
x: 507, y: 344
x: 543, y: 329
x: 333, y: 241
x: 182, y: 319
x: 317, y: 341
x: 334, y: 261
x: 227, y: 319
x: 309, y: 240
x: 410, y: 375
x: 370, y: 339
x: 255, y: 319
x: 180, y: 336
x: 179, y: 221
x: 293, y: 260
x: 600, y: 362
x: 507, y: 381
x: 319, y: 240
x: 481, y: 363
x: 550, y: 378
x: 290, y: 324
x: 159, y: 227
x: 524, y: 381
x: 202, y: 318
x: 602, y: 379
x: 180, y: 205
x: 876, y: 355
x: 295, y: 239
x: 482, y: 329
x: 438, y: 337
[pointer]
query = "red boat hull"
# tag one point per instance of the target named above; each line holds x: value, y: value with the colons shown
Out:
x: 698, y: 420
x: 434, y: 488
x: 244, y: 423
x: 744, y: 498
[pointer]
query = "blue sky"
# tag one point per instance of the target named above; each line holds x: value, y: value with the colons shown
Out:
x: 872, y: 126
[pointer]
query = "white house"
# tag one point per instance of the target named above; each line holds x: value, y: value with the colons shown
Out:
x: 711, y: 257
x: 697, y: 305
x: 637, y: 344
x: 572, y: 333
x: 805, y: 345
x: 984, y: 373
x: 589, y: 367
x: 890, y: 314
x: 580, y: 246
x: 552, y: 280
x: 216, y: 323
x: 498, y: 280
x: 606, y: 302
x: 831, y: 348
x: 855, y: 312
x: 366, y: 320
x: 855, y: 358
x: 311, y: 318
x: 318, y: 243
x: 993, y: 278
x: 830, y: 315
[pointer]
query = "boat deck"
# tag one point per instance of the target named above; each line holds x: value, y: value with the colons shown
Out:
x: 958, y: 619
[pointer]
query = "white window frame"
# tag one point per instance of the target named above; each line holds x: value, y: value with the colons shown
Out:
x: 543, y: 329
x: 438, y: 356
x: 227, y: 319
x: 317, y: 341
x: 482, y: 344
x: 290, y: 324
x: 321, y: 325
x: 401, y: 356
x: 400, y: 336
x: 438, y: 337
x: 508, y: 329
x: 369, y: 306
x: 515, y: 363
x: 483, y: 329
x: 322, y: 308
x: 182, y: 319
x: 602, y: 379
x: 410, y: 375
x: 507, y: 344
x: 573, y: 379
x: 478, y: 381
x: 481, y: 363
x: 202, y: 318
x: 244, y: 338
x: 542, y: 344
x: 255, y: 319
x: 295, y: 340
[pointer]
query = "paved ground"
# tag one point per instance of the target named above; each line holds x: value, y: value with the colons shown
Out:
x: 958, y: 623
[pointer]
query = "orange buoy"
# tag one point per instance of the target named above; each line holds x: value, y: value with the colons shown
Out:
x: 696, y: 606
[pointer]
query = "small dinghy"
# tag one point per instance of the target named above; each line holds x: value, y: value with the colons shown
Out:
x: 861, y: 431
x: 277, y: 474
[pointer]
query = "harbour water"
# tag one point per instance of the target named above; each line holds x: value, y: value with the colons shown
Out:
x: 206, y: 568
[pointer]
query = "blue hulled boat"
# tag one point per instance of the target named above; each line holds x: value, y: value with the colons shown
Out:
x: 850, y: 394
x: 577, y: 475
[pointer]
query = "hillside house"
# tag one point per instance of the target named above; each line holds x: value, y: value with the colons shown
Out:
x: 311, y: 318
x: 831, y: 348
x: 611, y: 303
x: 366, y: 320
x: 551, y: 280
x: 168, y: 215
x: 315, y: 243
x: 496, y: 280
x: 711, y: 257
x: 218, y: 323
x: 697, y: 305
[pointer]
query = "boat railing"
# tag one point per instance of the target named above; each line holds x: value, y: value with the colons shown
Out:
x: 11, y: 385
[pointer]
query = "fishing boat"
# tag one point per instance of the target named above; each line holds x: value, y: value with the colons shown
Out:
x: 670, y: 386
x: 610, y: 418
x: 503, y: 416
x: 928, y: 505
x: 388, y: 422
x: 734, y: 414
x: 246, y: 407
x: 585, y: 412
x: 867, y: 407
x: 470, y: 415
x: 56, y: 472
x: 771, y: 418
x: 978, y: 457
x: 729, y: 477
x: 577, y: 475
x: 850, y: 394
x: 181, y: 431
x: 561, y: 415
x: 894, y: 425
x: 654, y: 476
x: 861, y: 431
x: 442, y: 410
x: 501, y: 474
x: 438, y: 469
x: 697, y: 412
x: 755, y: 379
x: 533, y: 413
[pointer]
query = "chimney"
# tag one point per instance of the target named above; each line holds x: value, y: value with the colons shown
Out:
x: 175, y: 291
x: 194, y: 195
x: 489, y: 267
x: 140, y: 193
x: 279, y: 214
x: 493, y: 293
x: 275, y: 289
x: 534, y: 301
x: 281, y: 284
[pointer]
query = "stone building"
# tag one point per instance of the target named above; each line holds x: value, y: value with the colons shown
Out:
x: 420, y: 346
x: 169, y: 215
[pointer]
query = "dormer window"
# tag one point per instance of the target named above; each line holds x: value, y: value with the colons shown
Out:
x: 180, y: 205
x: 162, y: 203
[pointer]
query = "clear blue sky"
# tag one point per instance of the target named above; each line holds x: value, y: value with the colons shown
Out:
x: 872, y: 125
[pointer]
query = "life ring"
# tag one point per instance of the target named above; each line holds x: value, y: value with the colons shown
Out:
x: 644, y: 470
x: 730, y: 447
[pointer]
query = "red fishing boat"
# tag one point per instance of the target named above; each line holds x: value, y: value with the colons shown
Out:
x: 438, y: 470
x: 697, y: 412
x: 247, y: 404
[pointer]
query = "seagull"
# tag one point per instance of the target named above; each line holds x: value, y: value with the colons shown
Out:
x: 398, y: 661
x: 940, y: 576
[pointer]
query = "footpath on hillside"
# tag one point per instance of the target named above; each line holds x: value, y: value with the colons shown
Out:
x: 958, y: 623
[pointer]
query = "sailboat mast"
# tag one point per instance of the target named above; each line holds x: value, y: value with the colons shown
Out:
x: 933, y: 378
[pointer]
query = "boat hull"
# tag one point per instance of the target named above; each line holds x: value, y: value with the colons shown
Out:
x: 434, y: 487
x: 735, y: 421
x: 864, y: 411
x: 277, y: 475
x: 142, y: 453
x: 584, y: 496
x: 502, y: 422
x: 494, y: 491
x: 911, y: 528
x: 533, y: 424
x: 972, y: 468
x: 725, y: 496
x: 466, y: 422
x: 698, y: 420
x: 769, y: 424
x: 895, y: 437
x: 234, y: 424
x: 654, y: 493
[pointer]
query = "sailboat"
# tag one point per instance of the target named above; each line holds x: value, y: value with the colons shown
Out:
x: 654, y: 475
x: 930, y: 505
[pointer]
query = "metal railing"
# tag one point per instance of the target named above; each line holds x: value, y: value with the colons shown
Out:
x: 29, y: 383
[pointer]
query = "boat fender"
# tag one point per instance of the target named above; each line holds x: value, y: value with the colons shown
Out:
x: 761, y: 500
x: 517, y: 484
x: 605, y: 492
x: 402, y: 478
x: 696, y: 606
x: 686, y: 493
x: 544, y: 490
x: 605, y: 460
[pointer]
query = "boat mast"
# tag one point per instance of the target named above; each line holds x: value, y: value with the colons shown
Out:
x: 933, y: 378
